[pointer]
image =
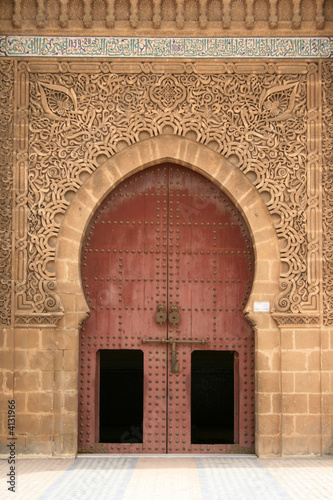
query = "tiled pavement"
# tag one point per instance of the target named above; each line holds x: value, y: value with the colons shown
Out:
x: 170, y: 478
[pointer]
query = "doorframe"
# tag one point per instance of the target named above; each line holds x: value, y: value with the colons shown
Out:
x: 227, y: 176
x: 236, y: 397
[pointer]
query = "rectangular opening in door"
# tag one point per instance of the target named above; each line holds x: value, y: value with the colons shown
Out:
x: 121, y: 396
x: 212, y: 397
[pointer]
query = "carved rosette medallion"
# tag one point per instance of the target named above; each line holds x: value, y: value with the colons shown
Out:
x: 58, y: 102
x: 264, y: 117
x: 278, y: 102
x: 168, y: 93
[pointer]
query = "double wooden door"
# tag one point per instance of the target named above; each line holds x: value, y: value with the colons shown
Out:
x: 166, y: 355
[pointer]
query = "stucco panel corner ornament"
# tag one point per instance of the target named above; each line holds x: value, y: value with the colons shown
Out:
x: 58, y: 101
x: 279, y: 101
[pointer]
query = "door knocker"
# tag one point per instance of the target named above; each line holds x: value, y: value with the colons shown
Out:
x: 161, y: 314
x: 174, y: 315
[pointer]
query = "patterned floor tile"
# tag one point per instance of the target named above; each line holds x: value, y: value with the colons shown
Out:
x: 34, y: 476
x: 171, y: 478
x: 164, y: 479
x: 89, y: 478
x: 228, y: 478
x: 303, y: 478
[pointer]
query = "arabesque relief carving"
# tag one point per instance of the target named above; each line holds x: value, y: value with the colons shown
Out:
x: 328, y: 192
x: 263, y: 117
x: 6, y: 185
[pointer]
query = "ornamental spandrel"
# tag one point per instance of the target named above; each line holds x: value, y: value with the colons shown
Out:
x: 262, y: 117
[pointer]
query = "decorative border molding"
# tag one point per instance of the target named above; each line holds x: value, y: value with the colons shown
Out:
x: 327, y: 183
x: 158, y: 47
x: 43, y: 320
x: 7, y: 76
x: 296, y: 320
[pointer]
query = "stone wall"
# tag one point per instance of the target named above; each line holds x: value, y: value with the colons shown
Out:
x: 73, y: 129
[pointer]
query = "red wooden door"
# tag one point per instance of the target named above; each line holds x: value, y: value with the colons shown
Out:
x: 167, y: 268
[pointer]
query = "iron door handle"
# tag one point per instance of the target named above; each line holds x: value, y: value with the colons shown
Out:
x: 161, y: 314
x: 174, y: 315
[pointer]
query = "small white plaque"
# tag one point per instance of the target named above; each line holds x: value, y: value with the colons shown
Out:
x: 261, y: 307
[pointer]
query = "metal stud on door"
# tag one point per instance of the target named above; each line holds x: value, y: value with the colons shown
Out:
x: 123, y: 269
x: 211, y: 273
x: 167, y: 268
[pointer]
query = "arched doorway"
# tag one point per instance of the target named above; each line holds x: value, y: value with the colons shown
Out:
x: 167, y: 357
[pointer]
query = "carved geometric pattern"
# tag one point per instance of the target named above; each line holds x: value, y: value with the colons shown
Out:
x: 167, y: 93
x: 37, y: 320
x: 34, y: 289
x: 260, y: 116
x: 327, y: 181
x: 313, y: 201
x: 6, y: 186
x: 298, y: 319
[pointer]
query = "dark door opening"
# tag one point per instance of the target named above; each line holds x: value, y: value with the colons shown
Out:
x: 212, y: 397
x: 121, y: 396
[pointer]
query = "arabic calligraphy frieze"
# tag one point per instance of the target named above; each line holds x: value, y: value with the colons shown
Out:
x: 270, y: 47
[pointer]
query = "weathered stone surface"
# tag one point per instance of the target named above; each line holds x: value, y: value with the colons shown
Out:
x: 157, y: 18
x: 259, y: 138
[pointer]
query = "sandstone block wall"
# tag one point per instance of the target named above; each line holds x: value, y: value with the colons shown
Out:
x: 264, y: 136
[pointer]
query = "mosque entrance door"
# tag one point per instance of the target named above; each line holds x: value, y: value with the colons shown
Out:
x: 166, y: 355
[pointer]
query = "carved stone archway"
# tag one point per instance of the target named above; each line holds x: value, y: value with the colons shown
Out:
x: 225, y: 175
x: 142, y: 155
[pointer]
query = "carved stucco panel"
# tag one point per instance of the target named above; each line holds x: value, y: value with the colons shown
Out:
x: 35, y: 300
x: 262, y: 117
x: 7, y: 69
x: 327, y: 78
